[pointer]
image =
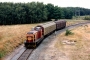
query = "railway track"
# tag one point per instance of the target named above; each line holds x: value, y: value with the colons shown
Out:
x: 25, y: 54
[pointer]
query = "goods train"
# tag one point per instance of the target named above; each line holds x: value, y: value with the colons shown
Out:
x: 35, y: 36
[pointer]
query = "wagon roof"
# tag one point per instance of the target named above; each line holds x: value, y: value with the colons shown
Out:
x: 47, y: 24
x: 59, y: 20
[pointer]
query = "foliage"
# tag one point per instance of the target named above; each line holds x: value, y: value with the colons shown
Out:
x: 68, y: 32
x: 34, y: 12
x: 87, y: 18
x: 2, y: 53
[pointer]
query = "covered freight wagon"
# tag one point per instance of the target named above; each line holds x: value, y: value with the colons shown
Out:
x: 60, y: 24
x: 47, y: 27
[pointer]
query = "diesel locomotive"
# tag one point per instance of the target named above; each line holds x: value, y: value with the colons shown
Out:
x: 39, y: 32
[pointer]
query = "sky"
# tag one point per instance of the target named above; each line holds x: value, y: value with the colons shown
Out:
x: 60, y: 3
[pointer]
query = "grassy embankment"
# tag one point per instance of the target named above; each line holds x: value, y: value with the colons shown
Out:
x: 11, y: 36
x: 76, y: 46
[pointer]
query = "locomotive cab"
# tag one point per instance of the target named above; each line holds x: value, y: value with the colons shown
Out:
x: 40, y: 32
x: 40, y: 28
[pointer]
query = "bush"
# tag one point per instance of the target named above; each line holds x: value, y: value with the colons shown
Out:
x: 87, y: 18
x: 68, y: 32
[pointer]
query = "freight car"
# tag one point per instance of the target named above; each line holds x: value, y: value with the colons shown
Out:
x: 35, y: 36
x: 60, y: 24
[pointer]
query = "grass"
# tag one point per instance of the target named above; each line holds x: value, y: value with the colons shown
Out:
x: 68, y: 32
x: 81, y: 48
x: 11, y: 36
x: 2, y: 53
x: 71, y: 22
x: 86, y: 17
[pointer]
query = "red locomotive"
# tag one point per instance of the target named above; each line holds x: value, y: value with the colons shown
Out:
x: 35, y: 36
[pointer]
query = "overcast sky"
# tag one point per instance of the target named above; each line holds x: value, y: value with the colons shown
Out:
x: 61, y: 3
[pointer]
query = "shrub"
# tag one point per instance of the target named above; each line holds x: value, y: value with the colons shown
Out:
x: 87, y: 18
x: 68, y: 32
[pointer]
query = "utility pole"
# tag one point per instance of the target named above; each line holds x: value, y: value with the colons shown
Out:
x: 77, y: 13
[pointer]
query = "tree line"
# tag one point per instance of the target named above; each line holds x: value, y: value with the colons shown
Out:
x: 34, y: 12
